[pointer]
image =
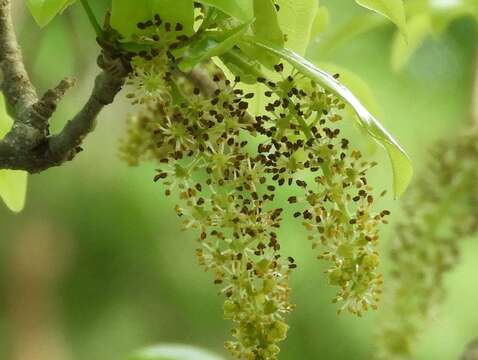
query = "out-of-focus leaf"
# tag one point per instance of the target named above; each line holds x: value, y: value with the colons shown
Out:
x: 174, y: 352
x: 43, y: 11
x: 240, y: 9
x: 13, y: 183
x: 351, y: 29
x: 419, y: 28
x: 392, y: 9
x: 211, y: 45
x: 321, y: 22
x: 296, y: 19
x: 401, y: 164
x: 444, y: 13
x: 126, y: 14
x: 266, y: 25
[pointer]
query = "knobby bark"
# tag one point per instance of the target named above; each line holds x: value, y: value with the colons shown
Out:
x: 29, y: 145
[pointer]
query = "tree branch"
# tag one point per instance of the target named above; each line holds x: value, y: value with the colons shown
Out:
x: 29, y: 146
x: 19, y: 92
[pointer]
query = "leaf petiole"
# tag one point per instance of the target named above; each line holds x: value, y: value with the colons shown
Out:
x: 92, y: 18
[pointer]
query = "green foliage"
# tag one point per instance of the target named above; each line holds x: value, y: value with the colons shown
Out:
x: 240, y: 9
x: 44, y: 11
x: 209, y: 46
x: 419, y: 28
x: 392, y: 9
x: 173, y: 352
x: 347, y: 32
x: 321, y: 22
x: 266, y: 25
x: 13, y: 184
x: 440, y: 212
x: 425, y: 19
x: 297, y: 19
x: 126, y: 14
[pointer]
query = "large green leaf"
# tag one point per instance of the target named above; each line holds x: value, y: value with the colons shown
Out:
x: 174, y: 352
x: 13, y: 184
x: 44, y: 11
x: 357, y: 26
x: 296, y: 19
x: 419, y: 28
x: 392, y: 9
x: 401, y: 164
x: 211, y: 45
x: 126, y: 14
x: 266, y: 25
x: 321, y: 22
x: 180, y: 11
x: 240, y: 9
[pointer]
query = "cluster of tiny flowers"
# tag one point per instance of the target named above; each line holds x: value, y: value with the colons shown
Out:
x: 440, y: 211
x: 226, y: 168
x: 154, y: 65
x: 304, y: 149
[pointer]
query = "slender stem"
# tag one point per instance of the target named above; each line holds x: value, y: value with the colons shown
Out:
x: 92, y: 18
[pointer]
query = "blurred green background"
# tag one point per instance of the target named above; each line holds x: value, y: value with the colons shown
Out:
x: 96, y: 266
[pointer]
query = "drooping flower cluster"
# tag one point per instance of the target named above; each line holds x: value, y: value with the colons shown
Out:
x: 440, y: 211
x: 227, y: 167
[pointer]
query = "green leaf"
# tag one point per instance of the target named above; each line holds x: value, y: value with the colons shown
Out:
x: 233, y: 63
x: 211, y: 45
x: 13, y: 183
x: 175, y: 11
x: 296, y: 19
x: 419, y: 28
x: 444, y: 13
x: 44, y: 11
x: 174, y: 352
x: 392, y: 9
x: 321, y: 22
x: 126, y: 14
x: 401, y: 164
x: 240, y: 9
x: 355, y: 27
x: 266, y: 26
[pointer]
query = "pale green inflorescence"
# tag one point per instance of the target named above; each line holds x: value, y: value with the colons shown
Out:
x: 440, y: 212
x: 226, y: 168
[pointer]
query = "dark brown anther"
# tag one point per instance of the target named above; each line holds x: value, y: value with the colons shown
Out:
x: 279, y: 67
x: 292, y: 199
